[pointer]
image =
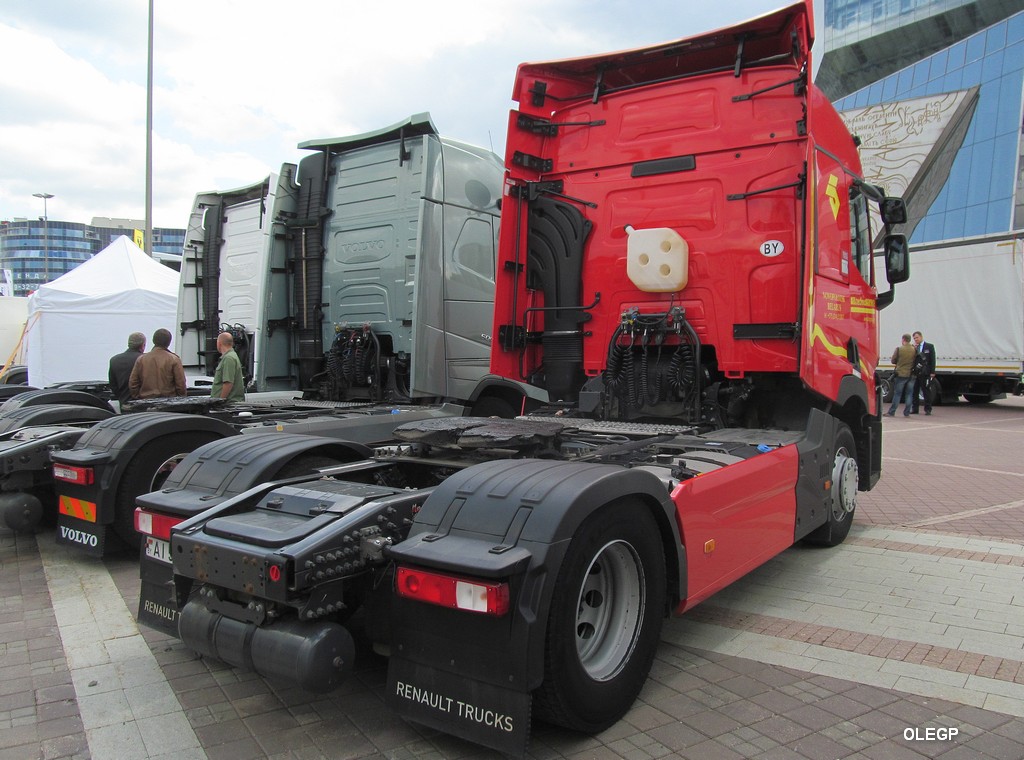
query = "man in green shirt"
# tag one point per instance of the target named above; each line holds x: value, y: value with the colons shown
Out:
x: 228, y: 380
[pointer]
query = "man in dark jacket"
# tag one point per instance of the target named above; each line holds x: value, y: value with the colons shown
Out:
x: 121, y: 366
x: 925, y: 373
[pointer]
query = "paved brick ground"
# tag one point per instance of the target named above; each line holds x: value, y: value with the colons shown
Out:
x: 957, y: 471
x: 38, y: 708
x: 915, y: 624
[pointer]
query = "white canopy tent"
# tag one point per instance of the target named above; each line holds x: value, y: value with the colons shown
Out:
x: 81, y: 319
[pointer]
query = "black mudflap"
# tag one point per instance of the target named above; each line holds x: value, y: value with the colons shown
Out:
x: 87, y: 536
x: 479, y: 712
x: 157, y: 607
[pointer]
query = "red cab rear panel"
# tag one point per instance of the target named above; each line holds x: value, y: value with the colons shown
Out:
x: 717, y: 139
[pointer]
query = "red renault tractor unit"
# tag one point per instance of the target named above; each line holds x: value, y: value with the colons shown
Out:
x: 685, y: 266
x: 686, y: 236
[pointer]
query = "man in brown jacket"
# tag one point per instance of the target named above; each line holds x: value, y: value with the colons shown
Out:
x: 158, y: 373
x: 903, y: 382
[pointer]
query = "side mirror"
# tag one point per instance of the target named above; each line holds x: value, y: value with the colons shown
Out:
x: 893, y: 210
x: 897, y: 259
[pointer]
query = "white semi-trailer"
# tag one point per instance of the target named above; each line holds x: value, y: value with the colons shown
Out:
x: 967, y: 298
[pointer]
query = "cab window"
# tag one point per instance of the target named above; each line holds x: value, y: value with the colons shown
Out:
x: 860, y: 232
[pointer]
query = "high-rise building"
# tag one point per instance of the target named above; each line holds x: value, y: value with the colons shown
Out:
x: 866, y: 40
x: 933, y: 88
x: 37, y: 251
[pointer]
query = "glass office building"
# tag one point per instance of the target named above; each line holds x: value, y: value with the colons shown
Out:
x: 933, y: 90
x: 866, y: 40
x: 36, y: 252
x: 944, y: 129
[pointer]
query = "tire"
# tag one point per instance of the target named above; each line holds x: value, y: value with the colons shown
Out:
x: 304, y: 465
x: 147, y: 472
x: 493, y: 406
x: 842, y: 501
x: 605, y: 620
x: 974, y: 398
x: 887, y: 388
x: 17, y: 374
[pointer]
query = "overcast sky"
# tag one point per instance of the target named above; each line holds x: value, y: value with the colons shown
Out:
x: 238, y: 83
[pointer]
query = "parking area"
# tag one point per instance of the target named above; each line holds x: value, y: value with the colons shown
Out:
x: 907, y: 641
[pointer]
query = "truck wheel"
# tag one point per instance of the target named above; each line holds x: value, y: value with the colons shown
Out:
x: 605, y: 621
x: 843, y: 495
x: 492, y: 406
x: 977, y: 398
x: 147, y: 472
x: 304, y: 465
x: 887, y: 391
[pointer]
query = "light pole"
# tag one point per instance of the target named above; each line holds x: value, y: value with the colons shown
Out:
x: 148, y: 240
x: 46, y: 236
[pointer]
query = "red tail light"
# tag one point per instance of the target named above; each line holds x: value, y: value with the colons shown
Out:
x: 82, y: 476
x: 154, y: 524
x: 453, y: 592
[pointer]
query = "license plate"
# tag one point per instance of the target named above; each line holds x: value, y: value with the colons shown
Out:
x: 64, y: 473
x: 158, y: 549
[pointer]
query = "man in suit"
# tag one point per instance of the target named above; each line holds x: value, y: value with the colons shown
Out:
x: 925, y: 373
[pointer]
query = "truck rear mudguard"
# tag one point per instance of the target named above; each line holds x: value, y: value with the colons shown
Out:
x: 226, y: 468
x: 46, y: 396
x: 51, y: 414
x: 10, y: 391
x: 27, y: 436
x: 107, y: 450
x: 209, y: 476
x: 473, y: 675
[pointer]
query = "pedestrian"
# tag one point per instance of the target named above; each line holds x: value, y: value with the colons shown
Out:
x: 924, y: 373
x: 121, y: 366
x: 228, y: 379
x: 159, y: 373
x: 902, y: 379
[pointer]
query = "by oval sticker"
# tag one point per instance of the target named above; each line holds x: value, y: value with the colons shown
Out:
x: 772, y: 248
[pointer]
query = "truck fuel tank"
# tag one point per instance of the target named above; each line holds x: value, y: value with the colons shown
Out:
x: 316, y: 656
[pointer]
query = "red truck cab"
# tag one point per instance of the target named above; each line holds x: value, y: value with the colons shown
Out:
x: 703, y: 182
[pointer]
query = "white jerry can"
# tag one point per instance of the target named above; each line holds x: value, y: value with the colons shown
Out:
x: 656, y: 259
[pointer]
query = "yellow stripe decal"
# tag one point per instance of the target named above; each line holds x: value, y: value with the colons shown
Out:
x: 818, y: 334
